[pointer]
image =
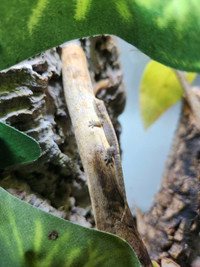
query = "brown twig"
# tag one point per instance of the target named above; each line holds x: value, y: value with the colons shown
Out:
x: 191, y: 95
x: 111, y: 211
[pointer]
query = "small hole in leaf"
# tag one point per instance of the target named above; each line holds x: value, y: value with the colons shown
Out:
x: 53, y: 235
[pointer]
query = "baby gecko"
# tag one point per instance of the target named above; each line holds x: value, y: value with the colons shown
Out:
x: 113, y: 151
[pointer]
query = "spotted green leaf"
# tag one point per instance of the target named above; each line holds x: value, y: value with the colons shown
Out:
x: 167, y: 31
x: 30, y: 237
x: 159, y: 90
x: 16, y: 147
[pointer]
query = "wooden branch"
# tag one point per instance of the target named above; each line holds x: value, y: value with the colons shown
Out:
x: 111, y: 211
x: 191, y: 94
x: 171, y: 227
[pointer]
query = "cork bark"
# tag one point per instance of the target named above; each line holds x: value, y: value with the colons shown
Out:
x: 32, y: 100
x: 171, y: 227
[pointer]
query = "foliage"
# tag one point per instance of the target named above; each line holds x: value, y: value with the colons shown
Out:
x: 167, y: 31
x: 16, y: 147
x: 31, y: 237
x: 155, y: 264
x: 159, y: 90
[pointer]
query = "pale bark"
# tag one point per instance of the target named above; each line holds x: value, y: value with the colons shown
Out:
x: 109, y: 204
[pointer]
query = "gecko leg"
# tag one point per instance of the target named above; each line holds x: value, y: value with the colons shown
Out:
x: 93, y: 123
x: 109, y: 155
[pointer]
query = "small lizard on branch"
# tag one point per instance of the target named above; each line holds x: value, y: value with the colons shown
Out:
x: 113, y: 151
x: 109, y: 131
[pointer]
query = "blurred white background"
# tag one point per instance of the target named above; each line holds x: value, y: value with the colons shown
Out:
x: 144, y: 152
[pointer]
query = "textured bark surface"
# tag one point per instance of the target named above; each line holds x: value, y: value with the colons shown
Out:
x: 32, y: 100
x: 171, y: 227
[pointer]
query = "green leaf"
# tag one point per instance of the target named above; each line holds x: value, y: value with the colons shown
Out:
x: 16, y: 147
x: 30, y: 237
x: 167, y: 31
x: 159, y: 90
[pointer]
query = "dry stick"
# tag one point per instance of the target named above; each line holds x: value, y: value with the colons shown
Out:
x: 111, y: 211
x: 191, y: 95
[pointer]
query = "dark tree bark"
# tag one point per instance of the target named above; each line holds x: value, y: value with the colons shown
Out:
x: 32, y: 100
x: 171, y: 227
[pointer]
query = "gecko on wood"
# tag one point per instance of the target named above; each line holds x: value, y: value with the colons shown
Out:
x: 109, y: 131
x: 110, y: 207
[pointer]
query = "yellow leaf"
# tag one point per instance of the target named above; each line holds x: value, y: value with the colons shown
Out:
x: 159, y: 90
x: 155, y: 264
